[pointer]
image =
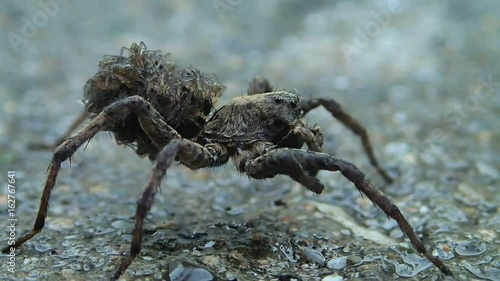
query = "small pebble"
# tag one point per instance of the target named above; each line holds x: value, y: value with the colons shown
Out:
x: 424, y: 209
x: 470, y: 248
x: 486, y: 273
x: 443, y: 251
x: 67, y: 271
x: 30, y: 261
x: 314, y: 255
x: 235, y: 211
x: 184, y: 271
x: 346, y: 232
x: 451, y: 213
x: 33, y: 273
x: 60, y: 224
x: 42, y: 248
x: 121, y: 224
x: 332, y: 278
x: 413, y: 263
x: 76, y: 266
x: 209, y: 244
x: 337, y: 263
x: 396, y: 233
x: 487, y: 170
x: 467, y: 195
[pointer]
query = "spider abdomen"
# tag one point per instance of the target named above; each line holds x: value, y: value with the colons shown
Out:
x: 183, y: 96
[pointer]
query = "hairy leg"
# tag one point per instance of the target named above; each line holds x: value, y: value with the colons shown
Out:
x: 111, y: 114
x: 295, y: 163
x: 307, y: 104
x: 188, y: 153
x: 261, y: 85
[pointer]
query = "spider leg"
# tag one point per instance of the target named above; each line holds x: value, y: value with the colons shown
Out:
x: 307, y: 104
x: 281, y: 161
x: 189, y: 153
x: 109, y: 116
x: 295, y: 163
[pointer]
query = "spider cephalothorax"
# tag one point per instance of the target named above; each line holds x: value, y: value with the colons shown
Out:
x: 163, y: 111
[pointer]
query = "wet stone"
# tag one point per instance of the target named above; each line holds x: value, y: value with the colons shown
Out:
x: 314, y: 255
x: 487, y: 170
x: 485, y: 272
x: 470, y: 247
x: 231, y: 277
x: 28, y: 261
x: 127, y: 238
x: 76, y: 266
x: 321, y: 236
x: 332, y: 278
x: 143, y: 272
x: 67, y: 271
x: 88, y: 234
x: 33, y: 273
x: 441, y: 228
x: 346, y: 232
x: 457, y: 165
x: 60, y: 224
x: 185, y: 271
x: 396, y: 233
x: 108, y: 250
x: 42, y: 248
x: 235, y: 211
x: 337, y: 263
x: 414, y: 264
x: 209, y: 244
x: 467, y: 195
x: 103, y: 231
x: 72, y: 252
x: 121, y: 224
x: 443, y: 251
x: 451, y: 213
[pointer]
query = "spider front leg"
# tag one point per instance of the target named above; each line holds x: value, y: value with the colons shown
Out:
x: 112, y: 114
x: 188, y: 153
x: 261, y: 85
x: 298, y: 163
x: 307, y: 104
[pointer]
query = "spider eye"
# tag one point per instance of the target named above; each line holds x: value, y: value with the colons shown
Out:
x: 293, y: 104
x: 278, y: 100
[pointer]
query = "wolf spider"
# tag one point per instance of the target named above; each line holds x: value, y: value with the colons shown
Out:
x: 168, y: 114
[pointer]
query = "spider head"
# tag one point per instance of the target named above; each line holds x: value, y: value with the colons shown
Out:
x: 282, y: 110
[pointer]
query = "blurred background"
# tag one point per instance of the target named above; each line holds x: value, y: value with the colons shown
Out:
x: 421, y: 76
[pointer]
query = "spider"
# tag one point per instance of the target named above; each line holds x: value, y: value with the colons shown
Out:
x: 168, y: 114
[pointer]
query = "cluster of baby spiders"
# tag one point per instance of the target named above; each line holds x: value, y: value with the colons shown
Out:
x: 168, y: 114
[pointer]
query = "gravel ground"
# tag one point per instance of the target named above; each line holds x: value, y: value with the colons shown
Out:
x: 420, y: 75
